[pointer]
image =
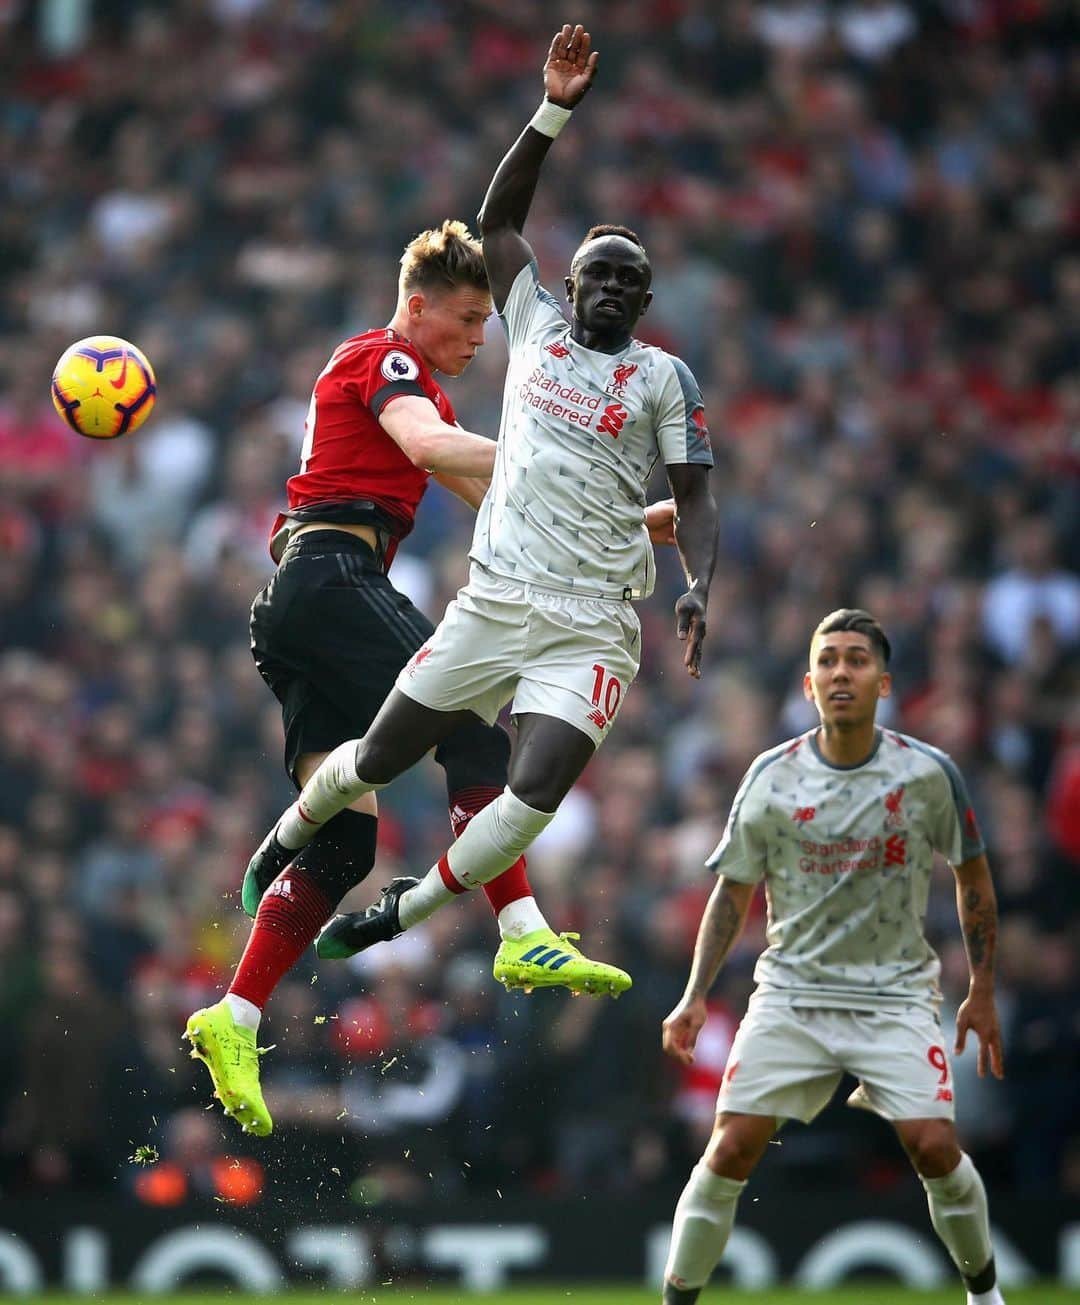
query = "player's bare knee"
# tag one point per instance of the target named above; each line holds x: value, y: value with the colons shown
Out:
x: 375, y: 763
x: 736, y: 1146
x: 932, y: 1146
x: 537, y: 791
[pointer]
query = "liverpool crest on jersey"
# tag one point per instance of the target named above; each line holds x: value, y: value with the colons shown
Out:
x: 620, y: 378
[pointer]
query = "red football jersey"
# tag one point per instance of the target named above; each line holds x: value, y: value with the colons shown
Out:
x: 351, y: 471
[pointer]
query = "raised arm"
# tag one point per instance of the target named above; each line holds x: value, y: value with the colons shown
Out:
x: 976, y: 906
x: 722, y: 922
x: 568, y: 74
x: 695, y: 538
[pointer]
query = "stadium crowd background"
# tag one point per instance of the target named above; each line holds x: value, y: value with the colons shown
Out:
x: 859, y: 217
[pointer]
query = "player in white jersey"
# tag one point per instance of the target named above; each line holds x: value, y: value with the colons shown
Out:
x: 559, y: 555
x: 842, y: 824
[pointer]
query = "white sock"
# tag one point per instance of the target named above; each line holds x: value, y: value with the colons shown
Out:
x: 520, y: 917
x: 961, y: 1218
x: 991, y: 1297
x: 330, y: 789
x: 493, y: 840
x: 244, y: 1012
x: 418, y: 903
x: 701, y: 1227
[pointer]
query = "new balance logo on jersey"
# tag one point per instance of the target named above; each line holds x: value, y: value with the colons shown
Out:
x: 895, y: 850
x: 557, y: 350
x: 729, y: 1073
x: 943, y: 1094
x: 280, y: 888
x: 802, y: 814
x: 598, y: 718
x: 894, y: 817
x: 612, y: 421
x: 620, y: 378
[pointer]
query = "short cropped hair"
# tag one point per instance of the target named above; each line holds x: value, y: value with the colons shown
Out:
x: 854, y: 618
x: 607, y: 229
x: 442, y: 258
x: 613, y: 229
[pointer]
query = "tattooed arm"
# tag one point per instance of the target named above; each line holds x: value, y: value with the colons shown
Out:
x: 976, y: 906
x: 721, y: 924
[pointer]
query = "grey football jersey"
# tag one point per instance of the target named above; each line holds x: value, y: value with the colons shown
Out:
x: 580, y: 434
x: 846, y: 854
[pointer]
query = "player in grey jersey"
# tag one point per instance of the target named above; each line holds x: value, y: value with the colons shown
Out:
x: 560, y: 552
x: 842, y: 824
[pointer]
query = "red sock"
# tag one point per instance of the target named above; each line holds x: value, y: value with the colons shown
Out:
x: 508, y: 887
x: 292, y: 911
x: 512, y: 883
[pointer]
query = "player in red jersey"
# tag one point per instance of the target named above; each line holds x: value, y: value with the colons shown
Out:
x: 330, y: 633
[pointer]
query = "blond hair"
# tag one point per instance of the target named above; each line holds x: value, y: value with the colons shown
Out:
x: 442, y: 258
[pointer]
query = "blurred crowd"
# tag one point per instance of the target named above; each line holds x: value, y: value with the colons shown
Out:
x: 863, y: 220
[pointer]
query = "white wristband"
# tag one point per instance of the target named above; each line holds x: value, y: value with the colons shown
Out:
x: 549, y: 119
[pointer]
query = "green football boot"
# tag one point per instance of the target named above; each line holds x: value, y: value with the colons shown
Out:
x: 345, y: 935
x: 229, y: 1052
x: 264, y: 867
x: 545, y: 959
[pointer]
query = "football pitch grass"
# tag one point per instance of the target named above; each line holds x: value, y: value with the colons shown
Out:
x: 867, y: 1293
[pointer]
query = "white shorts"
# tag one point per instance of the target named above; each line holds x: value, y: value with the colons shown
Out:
x: 786, y: 1062
x: 552, y: 653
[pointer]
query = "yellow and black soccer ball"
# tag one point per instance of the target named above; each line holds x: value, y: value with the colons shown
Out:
x: 103, y: 387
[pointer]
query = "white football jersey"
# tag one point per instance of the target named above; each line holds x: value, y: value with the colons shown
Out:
x: 580, y: 434
x: 846, y: 854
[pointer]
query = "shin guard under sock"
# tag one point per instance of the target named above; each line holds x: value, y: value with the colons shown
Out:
x: 293, y: 910
x: 961, y: 1218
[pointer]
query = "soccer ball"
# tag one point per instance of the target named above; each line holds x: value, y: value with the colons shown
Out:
x: 103, y: 387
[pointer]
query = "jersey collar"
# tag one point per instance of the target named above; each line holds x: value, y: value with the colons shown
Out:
x: 572, y: 345
x: 858, y: 764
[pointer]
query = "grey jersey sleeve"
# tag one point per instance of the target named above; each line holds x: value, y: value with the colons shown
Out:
x: 740, y: 854
x: 956, y: 831
x: 681, y: 431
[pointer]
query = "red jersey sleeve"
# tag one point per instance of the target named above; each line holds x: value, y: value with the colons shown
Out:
x: 381, y: 374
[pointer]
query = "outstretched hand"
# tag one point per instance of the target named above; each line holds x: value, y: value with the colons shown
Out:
x: 690, y: 625
x: 570, y: 66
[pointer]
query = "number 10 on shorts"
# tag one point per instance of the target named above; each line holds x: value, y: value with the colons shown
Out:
x: 606, y: 695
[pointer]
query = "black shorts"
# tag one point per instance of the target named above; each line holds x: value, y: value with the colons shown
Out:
x: 329, y: 634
